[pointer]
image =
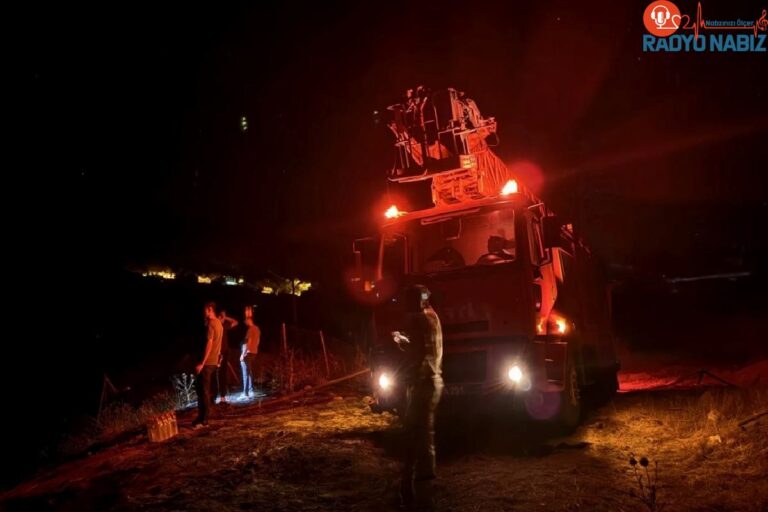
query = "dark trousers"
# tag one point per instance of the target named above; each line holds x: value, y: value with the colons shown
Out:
x: 223, y: 376
x: 419, y: 436
x: 203, y: 387
x: 247, y: 365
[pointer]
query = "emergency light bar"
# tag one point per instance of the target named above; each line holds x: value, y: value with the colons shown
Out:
x: 509, y: 187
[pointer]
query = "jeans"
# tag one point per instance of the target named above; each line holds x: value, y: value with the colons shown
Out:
x: 203, y: 387
x: 247, y: 366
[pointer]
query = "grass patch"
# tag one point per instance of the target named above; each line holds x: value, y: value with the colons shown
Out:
x: 116, y: 419
x: 698, y: 443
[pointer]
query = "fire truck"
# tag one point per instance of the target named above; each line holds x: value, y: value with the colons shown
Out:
x: 524, y: 307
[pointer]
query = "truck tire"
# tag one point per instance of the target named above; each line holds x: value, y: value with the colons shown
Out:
x: 571, y: 400
x: 562, y: 408
x: 377, y: 408
x: 395, y: 406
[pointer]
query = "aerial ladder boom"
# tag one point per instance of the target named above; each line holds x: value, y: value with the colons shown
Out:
x: 442, y: 136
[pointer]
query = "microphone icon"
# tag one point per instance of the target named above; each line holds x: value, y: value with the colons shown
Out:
x: 660, y: 15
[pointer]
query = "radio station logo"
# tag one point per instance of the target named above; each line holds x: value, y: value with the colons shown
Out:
x: 662, y: 18
x: 670, y: 30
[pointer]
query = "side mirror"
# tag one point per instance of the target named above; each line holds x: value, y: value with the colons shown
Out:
x: 551, y: 227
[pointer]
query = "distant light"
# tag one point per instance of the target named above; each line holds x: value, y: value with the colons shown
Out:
x: 509, y: 188
x: 243, y: 124
x: 240, y: 281
x: 203, y: 279
x: 393, y: 213
x: 164, y: 274
x: 284, y: 286
x: 298, y: 287
x: 230, y: 281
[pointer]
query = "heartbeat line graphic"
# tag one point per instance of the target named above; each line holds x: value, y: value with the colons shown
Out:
x: 698, y: 24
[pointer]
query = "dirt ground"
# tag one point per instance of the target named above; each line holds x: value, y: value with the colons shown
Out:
x: 330, y: 452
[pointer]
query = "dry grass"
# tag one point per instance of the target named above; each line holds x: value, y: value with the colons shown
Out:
x: 117, y: 419
x: 337, y: 455
x: 120, y: 417
x: 298, y: 370
x: 698, y: 444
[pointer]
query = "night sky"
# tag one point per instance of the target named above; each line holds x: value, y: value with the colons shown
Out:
x: 138, y: 154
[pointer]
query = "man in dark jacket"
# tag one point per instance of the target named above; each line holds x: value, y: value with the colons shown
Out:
x: 225, y: 366
x: 421, y: 373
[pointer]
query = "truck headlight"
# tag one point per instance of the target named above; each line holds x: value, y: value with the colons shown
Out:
x: 515, y: 374
x: 385, y: 382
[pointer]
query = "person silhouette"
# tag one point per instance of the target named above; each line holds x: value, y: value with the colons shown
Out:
x: 498, y: 251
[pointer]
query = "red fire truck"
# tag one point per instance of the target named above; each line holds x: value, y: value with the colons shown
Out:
x: 524, y: 308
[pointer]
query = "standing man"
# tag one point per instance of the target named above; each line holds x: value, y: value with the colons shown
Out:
x: 207, y: 368
x: 249, y: 351
x: 227, y: 324
x: 422, y: 376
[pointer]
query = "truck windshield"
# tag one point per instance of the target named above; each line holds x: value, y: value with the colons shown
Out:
x: 474, y: 240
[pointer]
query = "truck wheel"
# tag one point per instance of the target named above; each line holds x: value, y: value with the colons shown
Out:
x: 377, y: 408
x: 395, y: 406
x: 570, y: 398
x: 562, y: 408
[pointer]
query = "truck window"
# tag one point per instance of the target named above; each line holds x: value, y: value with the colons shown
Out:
x: 563, y: 263
x: 537, y: 247
x: 482, y: 239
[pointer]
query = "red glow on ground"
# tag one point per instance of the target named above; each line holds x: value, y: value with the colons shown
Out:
x: 680, y: 376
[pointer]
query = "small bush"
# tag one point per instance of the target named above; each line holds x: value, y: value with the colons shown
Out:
x: 186, y: 395
x: 647, y: 483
